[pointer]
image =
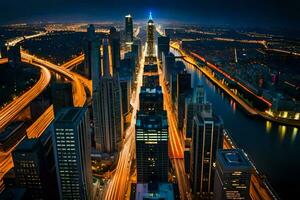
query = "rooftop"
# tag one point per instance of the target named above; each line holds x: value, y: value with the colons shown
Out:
x: 233, y: 159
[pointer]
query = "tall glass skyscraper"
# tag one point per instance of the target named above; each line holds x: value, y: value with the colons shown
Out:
x: 128, y: 29
x: 207, y: 138
x: 152, y: 147
x: 150, y: 38
x: 72, y: 151
x: 114, y: 42
x: 92, y: 57
x: 107, y: 109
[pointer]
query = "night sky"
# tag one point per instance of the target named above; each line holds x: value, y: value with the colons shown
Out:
x: 282, y: 13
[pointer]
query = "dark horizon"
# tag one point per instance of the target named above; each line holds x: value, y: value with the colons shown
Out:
x: 249, y: 13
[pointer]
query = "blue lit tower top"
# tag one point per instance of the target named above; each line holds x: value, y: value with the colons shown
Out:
x: 150, y: 16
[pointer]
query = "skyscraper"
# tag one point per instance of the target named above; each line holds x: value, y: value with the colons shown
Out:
x: 107, y: 109
x: 163, y: 46
x: 168, y: 62
x: 152, y: 147
x: 151, y: 99
x: 128, y: 29
x: 207, y: 137
x: 233, y: 174
x: 34, y: 166
x: 150, y: 55
x: 92, y: 57
x: 72, y: 151
x: 194, y: 104
x: 183, y: 89
x: 114, y: 41
x: 61, y: 95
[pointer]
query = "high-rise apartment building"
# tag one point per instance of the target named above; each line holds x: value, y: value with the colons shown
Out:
x: 207, y: 138
x: 107, y: 109
x: 152, y: 147
x: 72, y: 151
x: 128, y: 29
x: 92, y: 57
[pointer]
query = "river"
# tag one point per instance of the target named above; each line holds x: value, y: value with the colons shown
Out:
x: 274, y: 149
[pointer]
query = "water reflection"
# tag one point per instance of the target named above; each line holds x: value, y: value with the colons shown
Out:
x: 268, y: 126
x: 281, y: 131
x: 294, y: 134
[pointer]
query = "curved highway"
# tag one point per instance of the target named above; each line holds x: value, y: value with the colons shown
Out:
x: 9, y: 112
x: 79, y: 95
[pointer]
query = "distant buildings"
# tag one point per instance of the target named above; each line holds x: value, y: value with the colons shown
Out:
x: 207, y: 137
x: 114, y: 42
x: 107, y: 109
x: 163, y: 46
x: 128, y: 29
x: 92, y: 62
x: 152, y: 147
x: 233, y: 174
x: 72, y: 150
x: 150, y: 54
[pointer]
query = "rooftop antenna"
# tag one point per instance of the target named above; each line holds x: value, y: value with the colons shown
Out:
x: 150, y: 16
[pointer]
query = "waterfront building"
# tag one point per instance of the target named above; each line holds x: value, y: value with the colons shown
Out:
x: 233, y: 174
x: 207, y: 138
x: 183, y: 90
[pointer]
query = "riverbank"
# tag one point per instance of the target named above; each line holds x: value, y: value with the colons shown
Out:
x: 249, y: 109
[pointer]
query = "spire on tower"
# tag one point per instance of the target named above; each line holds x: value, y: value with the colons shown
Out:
x: 150, y: 15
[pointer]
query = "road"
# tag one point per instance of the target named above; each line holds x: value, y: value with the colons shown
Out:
x: 72, y: 63
x: 176, y: 144
x: 11, y: 111
x: 117, y: 186
x: 3, y: 60
x: 20, y: 39
x: 79, y: 95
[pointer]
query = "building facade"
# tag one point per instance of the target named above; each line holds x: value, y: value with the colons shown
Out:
x: 152, y: 147
x: 233, y: 174
x: 72, y: 151
x: 207, y: 138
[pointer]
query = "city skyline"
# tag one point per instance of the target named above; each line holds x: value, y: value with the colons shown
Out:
x: 148, y: 109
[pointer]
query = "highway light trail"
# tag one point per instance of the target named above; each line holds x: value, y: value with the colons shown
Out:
x: 118, y: 184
